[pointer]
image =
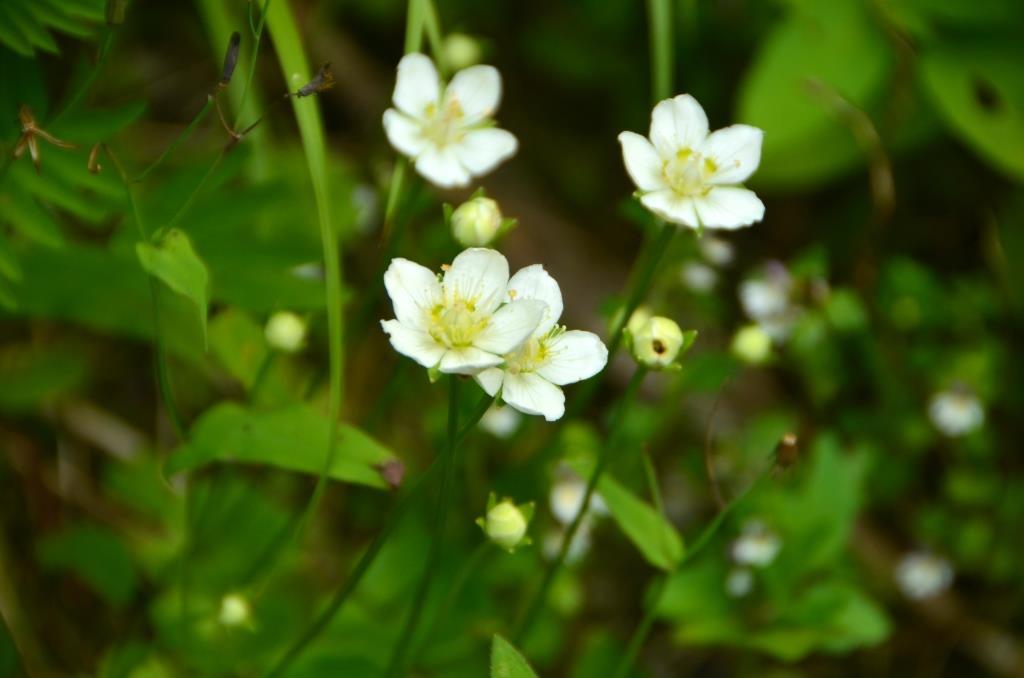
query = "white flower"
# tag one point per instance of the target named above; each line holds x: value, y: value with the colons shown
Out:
x: 739, y: 582
x: 956, y: 412
x: 766, y: 298
x: 698, y: 277
x: 458, y: 324
x: 923, y: 575
x: 567, y: 499
x: 447, y: 131
x: 579, y: 547
x: 756, y: 546
x: 500, y: 421
x: 689, y: 177
x: 531, y: 375
x: 716, y: 250
x: 285, y: 331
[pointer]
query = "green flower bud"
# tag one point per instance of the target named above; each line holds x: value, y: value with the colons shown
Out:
x: 505, y: 523
x: 286, y: 331
x: 656, y: 342
x: 476, y: 222
x: 752, y: 345
x: 461, y: 51
x: 235, y: 610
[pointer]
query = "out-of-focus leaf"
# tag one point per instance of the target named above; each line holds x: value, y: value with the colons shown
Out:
x: 173, y: 261
x: 32, y: 375
x: 238, y: 343
x: 292, y: 438
x: 834, y: 43
x: 507, y: 662
x: 96, y: 555
x: 980, y: 93
x: 25, y: 25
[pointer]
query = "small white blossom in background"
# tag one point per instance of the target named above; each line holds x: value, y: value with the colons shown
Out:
x: 461, y: 51
x: 448, y: 132
x: 956, y: 412
x: 285, y: 332
x: 567, y: 499
x: 717, y: 251
x: 579, y: 547
x: 500, y: 421
x: 657, y: 342
x: 739, y: 582
x: 235, y: 611
x: 505, y: 523
x: 476, y: 222
x: 459, y: 324
x: 531, y: 376
x: 689, y: 177
x: 364, y: 199
x: 756, y: 546
x: 766, y: 299
x: 923, y: 575
x: 752, y: 345
x: 698, y: 277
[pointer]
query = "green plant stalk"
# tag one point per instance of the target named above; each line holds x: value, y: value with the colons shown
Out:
x: 173, y: 146
x: 258, y: 37
x: 296, y: 71
x: 659, y: 18
x: 432, y: 26
x: 398, y: 658
x: 536, y: 604
x: 396, y: 515
x: 185, y: 206
x: 642, y: 630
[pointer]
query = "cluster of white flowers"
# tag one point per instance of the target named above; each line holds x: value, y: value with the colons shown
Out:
x: 922, y: 575
x: 474, y: 320
x: 956, y: 412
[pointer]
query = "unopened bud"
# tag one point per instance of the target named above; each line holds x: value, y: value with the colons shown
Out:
x: 235, y: 610
x: 752, y: 345
x: 286, y: 331
x: 230, y: 58
x: 461, y: 51
x: 505, y: 523
x: 476, y: 222
x: 656, y: 343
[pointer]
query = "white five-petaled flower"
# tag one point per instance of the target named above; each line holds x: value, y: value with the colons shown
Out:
x: 922, y: 575
x: 956, y: 412
x: 757, y: 546
x: 461, y: 323
x: 447, y: 131
x: 551, y: 357
x: 689, y: 177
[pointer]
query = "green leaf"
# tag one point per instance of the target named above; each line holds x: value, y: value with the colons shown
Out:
x: 980, y: 93
x: 174, y: 262
x: 96, y: 555
x: 33, y: 375
x: 507, y: 662
x: 25, y: 25
x: 292, y: 438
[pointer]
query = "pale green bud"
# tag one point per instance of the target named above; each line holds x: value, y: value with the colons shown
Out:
x: 235, y: 610
x: 640, y: 316
x: 286, y: 331
x: 461, y: 51
x: 752, y: 345
x: 476, y: 222
x: 657, y: 341
x: 505, y: 523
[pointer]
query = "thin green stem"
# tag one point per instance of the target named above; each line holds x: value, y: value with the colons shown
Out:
x: 604, y: 456
x: 366, y: 560
x: 183, y: 210
x: 173, y: 146
x: 414, y: 19
x: 639, y: 636
x: 258, y: 36
x: 108, y: 39
x: 432, y: 26
x: 659, y: 17
x: 398, y: 658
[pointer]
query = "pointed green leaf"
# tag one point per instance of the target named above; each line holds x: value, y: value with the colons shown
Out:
x: 507, y: 662
x: 175, y: 263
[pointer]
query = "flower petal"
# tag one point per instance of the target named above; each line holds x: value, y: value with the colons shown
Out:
x: 573, y: 356
x: 414, y: 290
x: 530, y: 394
x: 482, y: 150
x: 510, y: 326
x: 417, y: 85
x: 642, y: 162
x: 441, y: 167
x: 533, y: 282
x: 678, y: 123
x: 478, y: 275
x: 671, y: 207
x: 490, y: 380
x: 736, y: 152
x: 468, y: 360
x: 477, y: 89
x: 404, y: 133
x: 729, y: 207
x: 413, y: 343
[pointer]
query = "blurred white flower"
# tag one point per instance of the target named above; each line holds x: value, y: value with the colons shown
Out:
x: 532, y: 374
x: 766, y: 300
x: 364, y: 200
x: 698, y: 277
x: 756, y: 545
x: 567, y: 499
x: 476, y: 222
x: 458, y: 324
x: 687, y: 176
x: 739, y: 582
x: 500, y: 421
x: 285, y: 331
x: 922, y: 575
x: 956, y: 412
x: 717, y: 251
x: 579, y: 547
x: 447, y: 131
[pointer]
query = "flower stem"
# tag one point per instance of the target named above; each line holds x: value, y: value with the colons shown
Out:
x: 640, y: 635
x: 659, y: 18
x: 185, y: 134
x: 343, y: 593
x: 604, y: 455
x: 398, y: 658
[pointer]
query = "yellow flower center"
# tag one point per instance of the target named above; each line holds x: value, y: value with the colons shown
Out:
x: 687, y: 172
x: 528, y: 358
x: 457, y: 324
x: 443, y: 125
